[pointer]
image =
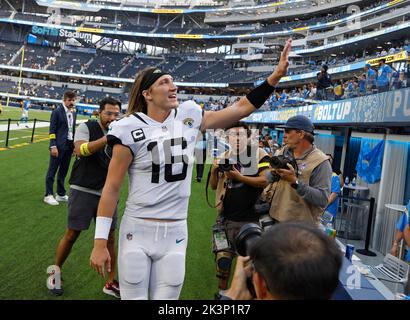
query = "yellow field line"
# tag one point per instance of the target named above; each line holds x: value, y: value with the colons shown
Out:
x: 23, y: 144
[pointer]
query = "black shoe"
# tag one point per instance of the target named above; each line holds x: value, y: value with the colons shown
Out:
x: 198, y: 179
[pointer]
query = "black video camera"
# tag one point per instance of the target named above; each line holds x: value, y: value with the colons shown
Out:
x: 281, y: 162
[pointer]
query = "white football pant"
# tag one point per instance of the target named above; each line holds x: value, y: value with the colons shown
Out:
x: 151, y: 258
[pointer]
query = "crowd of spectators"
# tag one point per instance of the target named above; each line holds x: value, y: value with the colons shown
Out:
x: 371, y: 80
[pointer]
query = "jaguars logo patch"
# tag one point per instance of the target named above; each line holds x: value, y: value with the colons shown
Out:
x: 189, y: 122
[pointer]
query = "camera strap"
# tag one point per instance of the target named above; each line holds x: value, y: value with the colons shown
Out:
x: 206, y: 190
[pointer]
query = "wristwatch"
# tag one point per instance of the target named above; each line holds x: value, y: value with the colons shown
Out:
x: 295, y: 185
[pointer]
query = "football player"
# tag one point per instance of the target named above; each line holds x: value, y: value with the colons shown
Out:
x: 24, y: 112
x: 155, y: 143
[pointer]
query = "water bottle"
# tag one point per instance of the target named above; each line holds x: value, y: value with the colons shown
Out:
x: 347, y: 181
x: 354, y: 182
x: 327, y: 219
x: 326, y: 225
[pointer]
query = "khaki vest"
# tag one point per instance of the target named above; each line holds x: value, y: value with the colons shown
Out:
x: 223, y: 182
x: 286, y: 203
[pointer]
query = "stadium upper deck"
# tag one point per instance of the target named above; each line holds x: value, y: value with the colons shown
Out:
x: 112, y: 45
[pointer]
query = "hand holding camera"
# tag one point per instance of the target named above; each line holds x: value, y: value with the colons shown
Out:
x: 233, y: 175
x: 287, y: 175
x: 229, y: 169
x: 282, y: 168
x: 243, y: 271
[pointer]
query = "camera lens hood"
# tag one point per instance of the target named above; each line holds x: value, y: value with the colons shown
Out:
x: 246, y: 236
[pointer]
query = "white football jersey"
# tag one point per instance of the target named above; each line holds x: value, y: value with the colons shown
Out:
x: 160, y: 173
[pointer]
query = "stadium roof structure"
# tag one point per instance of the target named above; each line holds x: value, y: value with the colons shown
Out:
x: 161, y: 7
x: 194, y: 40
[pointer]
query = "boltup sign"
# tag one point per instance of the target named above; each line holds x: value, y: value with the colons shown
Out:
x: 384, y: 108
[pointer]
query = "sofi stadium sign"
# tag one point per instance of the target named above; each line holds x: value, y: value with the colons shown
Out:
x: 62, y: 33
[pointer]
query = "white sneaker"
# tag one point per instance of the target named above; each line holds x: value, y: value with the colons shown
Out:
x: 62, y: 198
x: 50, y: 200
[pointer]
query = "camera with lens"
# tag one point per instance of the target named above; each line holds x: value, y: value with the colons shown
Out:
x: 226, y: 164
x: 225, y: 167
x: 246, y: 238
x: 281, y: 162
x: 248, y: 235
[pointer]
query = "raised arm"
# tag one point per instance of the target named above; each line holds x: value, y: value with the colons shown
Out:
x: 252, y: 101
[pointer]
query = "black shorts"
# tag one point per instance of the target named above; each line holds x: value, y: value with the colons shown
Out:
x: 82, y: 208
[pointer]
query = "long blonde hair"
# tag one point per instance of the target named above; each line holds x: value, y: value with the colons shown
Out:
x: 137, y: 101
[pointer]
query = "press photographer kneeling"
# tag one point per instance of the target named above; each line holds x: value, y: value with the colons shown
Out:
x: 239, y: 180
x: 300, y: 191
x: 305, y: 268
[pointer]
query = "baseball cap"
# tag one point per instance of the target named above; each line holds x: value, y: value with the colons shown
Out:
x: 368, y: 65
x: 299, y: 122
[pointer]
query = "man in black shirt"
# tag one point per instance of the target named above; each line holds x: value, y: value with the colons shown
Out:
x: 236, y: 193
x: 87, y: 180
x: 323, y: 82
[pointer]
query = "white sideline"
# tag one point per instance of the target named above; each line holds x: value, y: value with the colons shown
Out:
x: 13, y: 126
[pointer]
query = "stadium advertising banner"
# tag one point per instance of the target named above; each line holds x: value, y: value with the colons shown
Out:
x: 64, y: 33
x: 188, y: 36
x: 168, y: 11
x: 403, y: 55
x: 387, y: 107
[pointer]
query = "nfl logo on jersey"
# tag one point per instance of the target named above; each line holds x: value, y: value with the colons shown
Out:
x: 138, y: 135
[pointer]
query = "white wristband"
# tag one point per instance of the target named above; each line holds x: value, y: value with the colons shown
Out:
x: 102, y: 227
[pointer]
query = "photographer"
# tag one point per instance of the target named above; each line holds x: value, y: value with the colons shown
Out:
x: 300, y: 191
x: 306, y: 268
x: 237, y: 186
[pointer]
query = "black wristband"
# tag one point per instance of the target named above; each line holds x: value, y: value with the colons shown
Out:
x: 260, y: 94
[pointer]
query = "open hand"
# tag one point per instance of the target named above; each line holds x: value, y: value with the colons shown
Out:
x: 282, y: 67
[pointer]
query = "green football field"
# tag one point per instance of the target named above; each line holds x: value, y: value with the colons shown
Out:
x: 30, y: 231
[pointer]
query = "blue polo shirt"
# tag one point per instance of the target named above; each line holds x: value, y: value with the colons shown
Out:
x: 371, y: 73
x: 332, y: 208
x: 282, y: 98
x: 384, y: 75
x: 362, y: 85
